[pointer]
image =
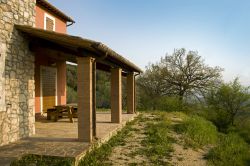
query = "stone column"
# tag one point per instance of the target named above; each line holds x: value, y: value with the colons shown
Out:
x: 84, y: 93
x: 131, y: 93
x: 116, y: 95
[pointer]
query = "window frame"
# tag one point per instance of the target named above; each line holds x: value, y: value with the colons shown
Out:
x: 46, y: 15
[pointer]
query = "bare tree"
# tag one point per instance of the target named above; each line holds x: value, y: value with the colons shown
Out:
x: 181, y: 74
x: 185, y: 73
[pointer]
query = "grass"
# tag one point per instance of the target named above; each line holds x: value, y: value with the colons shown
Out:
x: 228, y: 149
x: 106, y: 110
x: 231, y: 150
x: 197, y: 132
x: 98, y: 156
x: 158, y: 144
x: 103, y: 110
x: 43, y: 161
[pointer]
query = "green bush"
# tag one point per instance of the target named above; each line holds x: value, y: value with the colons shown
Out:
x: 243, y: 126
x: 226, y: 102
x: 231, y: 150
x: 169, y: 104
x: 198, y: 132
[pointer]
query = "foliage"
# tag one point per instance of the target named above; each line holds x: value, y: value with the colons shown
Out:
x: 181, y: 74
x: 43, y: 161
x: 164, y: 103
x: 198, y: 132
x: 226, y: 102
x: 231, y: 150
x: 71, y: 95
x: 242, y: 126
x: 103, y: 87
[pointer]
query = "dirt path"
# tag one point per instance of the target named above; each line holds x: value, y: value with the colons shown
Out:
x: 127, y: 154
x: 181, y: 155
x: 130, y: 153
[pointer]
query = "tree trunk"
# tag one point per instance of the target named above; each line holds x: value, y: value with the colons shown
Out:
x: 181, y: 95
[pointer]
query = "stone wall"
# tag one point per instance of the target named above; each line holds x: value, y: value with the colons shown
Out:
x: 16, y: 72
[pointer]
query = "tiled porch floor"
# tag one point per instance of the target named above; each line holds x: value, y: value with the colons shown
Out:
x: 59, y: 138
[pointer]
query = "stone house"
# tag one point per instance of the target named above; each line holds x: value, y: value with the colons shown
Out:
x: 34, y: 49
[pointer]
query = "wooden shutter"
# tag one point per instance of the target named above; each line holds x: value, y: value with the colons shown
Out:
x: 49, y: 24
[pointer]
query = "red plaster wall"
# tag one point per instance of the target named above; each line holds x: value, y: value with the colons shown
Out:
x: 60, y: 24
x: 61, y: 82
x: 42, y: 60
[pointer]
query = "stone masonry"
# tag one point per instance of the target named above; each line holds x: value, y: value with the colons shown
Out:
x: 16, y: 72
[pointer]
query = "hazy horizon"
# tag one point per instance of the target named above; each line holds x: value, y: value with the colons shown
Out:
x: 143, y: 31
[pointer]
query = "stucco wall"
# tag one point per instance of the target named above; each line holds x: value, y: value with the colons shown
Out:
x: 60, y: 24
x: 16, y: 72
x: 42, y: 60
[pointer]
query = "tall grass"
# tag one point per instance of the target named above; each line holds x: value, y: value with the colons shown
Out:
x: 198, y: 132
x: 231, y: 150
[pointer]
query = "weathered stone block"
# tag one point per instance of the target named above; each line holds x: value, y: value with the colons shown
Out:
x: 17, y: 65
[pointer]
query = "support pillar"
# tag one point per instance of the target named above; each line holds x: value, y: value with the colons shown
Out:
x: 61, y: 83
x: 130, y: 93
x: 116, y: 95
x: 94, y: 97
x: 84, y: 93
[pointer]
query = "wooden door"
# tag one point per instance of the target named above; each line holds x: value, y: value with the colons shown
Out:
x: 48, y: 88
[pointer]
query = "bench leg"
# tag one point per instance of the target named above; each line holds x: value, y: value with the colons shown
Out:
x: 70, y: 114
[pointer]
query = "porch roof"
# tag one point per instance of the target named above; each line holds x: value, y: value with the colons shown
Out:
x: 80, y: 47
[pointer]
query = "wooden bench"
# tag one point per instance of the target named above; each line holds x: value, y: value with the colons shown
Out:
x: 61, y: 111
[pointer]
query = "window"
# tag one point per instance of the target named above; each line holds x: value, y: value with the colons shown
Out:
x: 49, y: 22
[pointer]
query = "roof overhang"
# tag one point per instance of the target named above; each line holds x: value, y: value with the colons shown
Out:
x: 45, y: 4
x: 78, y: 47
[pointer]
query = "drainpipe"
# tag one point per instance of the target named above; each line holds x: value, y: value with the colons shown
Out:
x: 71, y: 23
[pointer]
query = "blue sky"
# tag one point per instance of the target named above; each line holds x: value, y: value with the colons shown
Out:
x: 145, y: 30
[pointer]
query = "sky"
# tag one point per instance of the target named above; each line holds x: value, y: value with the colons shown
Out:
x: 143, y: 31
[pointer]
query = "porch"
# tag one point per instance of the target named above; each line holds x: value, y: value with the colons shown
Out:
x: 50, y: 139
x: 52, y: 50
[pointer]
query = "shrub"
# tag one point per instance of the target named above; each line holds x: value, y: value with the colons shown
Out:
x: 231, y: 150
x: 227, y: 102
x: 243, y: 126
x: 198, y: 132
x: 169, y: 104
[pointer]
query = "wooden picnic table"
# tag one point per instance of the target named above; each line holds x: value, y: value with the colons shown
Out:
x: 69, y: 110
